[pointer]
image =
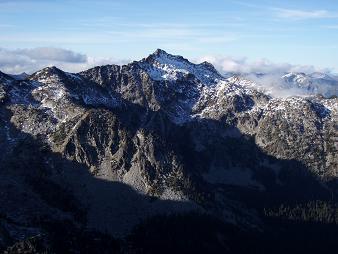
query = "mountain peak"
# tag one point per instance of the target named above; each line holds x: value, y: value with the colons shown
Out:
x: 21, y: 76
x: 160, y: 52
x: 47, y: 73
x: 50, y: 70
x: 164, y: 66
x: 209, y: 66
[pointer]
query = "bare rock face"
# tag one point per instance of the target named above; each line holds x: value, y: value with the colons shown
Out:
x: 111, y: 146
x: 2, y: 94
x: 299, y: 129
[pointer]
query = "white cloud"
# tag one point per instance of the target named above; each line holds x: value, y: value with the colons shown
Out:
x: 52, y: 54
x: 30, y: 60
x: 292, y: 13
x: 332, y: 27
x: 304, y: 14
x: 243, y: 65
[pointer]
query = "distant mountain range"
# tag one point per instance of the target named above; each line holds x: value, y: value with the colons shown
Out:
x: 21, y: 76
x: 296, y: 83
x: 165, y: 156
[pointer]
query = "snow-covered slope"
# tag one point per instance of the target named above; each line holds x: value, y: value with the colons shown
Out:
x: 314, y: 83
x: 200, y: 90
x: 162, y: 66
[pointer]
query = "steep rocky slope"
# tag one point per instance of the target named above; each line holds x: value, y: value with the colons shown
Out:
x: 108, y: 147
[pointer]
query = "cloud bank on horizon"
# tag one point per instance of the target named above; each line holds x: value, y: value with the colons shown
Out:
x: 30, y: 60
x: 227, y: 64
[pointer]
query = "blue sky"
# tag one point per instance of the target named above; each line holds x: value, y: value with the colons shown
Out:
x: 296, y: 32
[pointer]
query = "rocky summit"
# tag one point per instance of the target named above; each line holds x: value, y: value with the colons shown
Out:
x: 151, y: 156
